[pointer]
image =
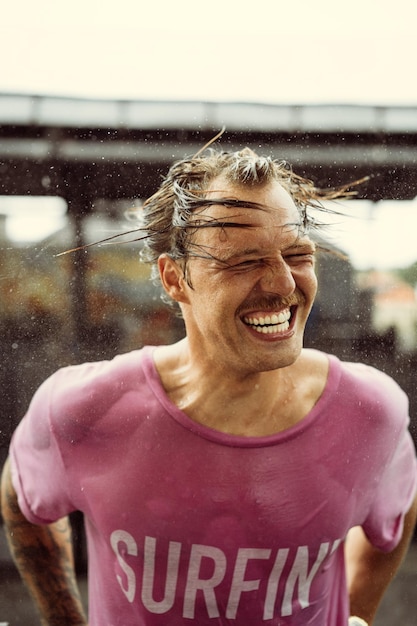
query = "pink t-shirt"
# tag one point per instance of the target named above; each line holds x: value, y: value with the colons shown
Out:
x: 189, y: 525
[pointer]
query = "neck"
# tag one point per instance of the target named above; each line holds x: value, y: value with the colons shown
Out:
x: 257, y: 404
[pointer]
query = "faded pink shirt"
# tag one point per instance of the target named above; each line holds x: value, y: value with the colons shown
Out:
x: 189, y: 525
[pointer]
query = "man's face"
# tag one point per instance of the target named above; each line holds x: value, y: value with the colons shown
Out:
x: 250, y: 298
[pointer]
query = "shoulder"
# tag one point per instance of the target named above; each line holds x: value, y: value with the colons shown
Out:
x: 81, y: 394
x: 372, y: 396
x: 358, y: 385
x: 100, y: 376
x: 94, y: 406
x: 371, y: 383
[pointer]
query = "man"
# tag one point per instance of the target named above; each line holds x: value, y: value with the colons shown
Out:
x: 233, y: 477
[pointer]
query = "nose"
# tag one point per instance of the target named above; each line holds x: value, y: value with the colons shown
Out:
x: 278, y: 279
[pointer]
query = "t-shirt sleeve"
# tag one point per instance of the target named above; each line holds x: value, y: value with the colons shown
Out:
x: 38, y: 473
x: 393, y: 497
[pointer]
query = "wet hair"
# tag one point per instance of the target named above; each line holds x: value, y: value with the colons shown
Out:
x: 170, y: 217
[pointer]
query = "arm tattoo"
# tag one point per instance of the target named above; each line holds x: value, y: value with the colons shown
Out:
x: 44, y: 558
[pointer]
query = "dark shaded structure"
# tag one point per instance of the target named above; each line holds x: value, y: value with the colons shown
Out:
x: 83, y: 149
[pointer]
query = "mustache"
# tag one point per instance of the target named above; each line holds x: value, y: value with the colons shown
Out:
x: 272, y: 302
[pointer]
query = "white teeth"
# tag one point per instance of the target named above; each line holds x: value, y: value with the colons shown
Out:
x: 275, y: 323
x: 269, y: 330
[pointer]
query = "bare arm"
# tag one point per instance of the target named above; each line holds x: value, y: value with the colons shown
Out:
x: 370, y: 571
x: 44, y: 558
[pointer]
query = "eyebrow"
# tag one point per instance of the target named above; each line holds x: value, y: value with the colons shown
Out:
x: 301, y: 246
x: 219, y: 222
x: 229, y: 203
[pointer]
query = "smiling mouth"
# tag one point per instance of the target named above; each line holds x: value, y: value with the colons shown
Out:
x: 272, y: 323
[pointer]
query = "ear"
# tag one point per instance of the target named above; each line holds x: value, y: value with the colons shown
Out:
x: 172, y: 279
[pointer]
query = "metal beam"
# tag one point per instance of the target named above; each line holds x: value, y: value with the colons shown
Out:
x: 120, y: 152
x: 97, y: 149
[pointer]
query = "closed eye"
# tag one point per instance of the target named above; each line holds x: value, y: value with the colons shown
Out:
x: 294, y: 259
x: 247, y: 265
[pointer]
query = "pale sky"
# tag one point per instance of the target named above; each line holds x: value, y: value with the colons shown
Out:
x: 306, y: 51
x: 375, y: 235
x: 303, y: 52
